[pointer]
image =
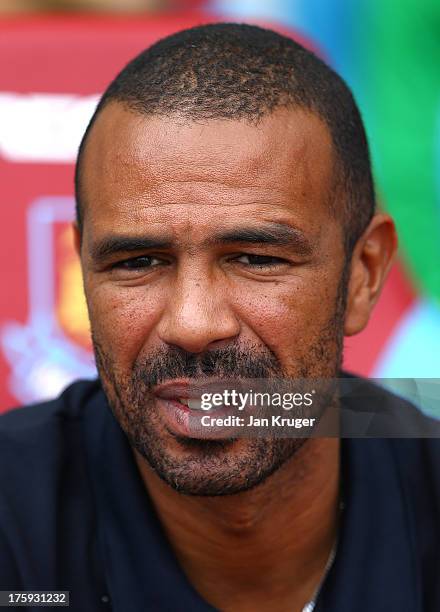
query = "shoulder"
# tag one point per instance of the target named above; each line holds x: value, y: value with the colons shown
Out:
x: 404, y: 457
x: 406, y: 436
x: 371, y: 411
x: 34, y: 436
x: 45, y: 488
x: 418, y: 463
x: 38, y: 439
x: 69, y: 406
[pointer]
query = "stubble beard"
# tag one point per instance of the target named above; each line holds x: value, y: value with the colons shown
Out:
x: 206, y: 467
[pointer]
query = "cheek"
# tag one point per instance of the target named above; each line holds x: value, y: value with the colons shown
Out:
x: 123, y: 319
x: 288, y: 316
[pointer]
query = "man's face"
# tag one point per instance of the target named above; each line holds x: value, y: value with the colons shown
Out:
x: 209, y: 250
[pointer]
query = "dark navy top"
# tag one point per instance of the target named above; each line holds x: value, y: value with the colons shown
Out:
x: 75, y: 516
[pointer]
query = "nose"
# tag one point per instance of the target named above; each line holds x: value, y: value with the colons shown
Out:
x: 197, y: 315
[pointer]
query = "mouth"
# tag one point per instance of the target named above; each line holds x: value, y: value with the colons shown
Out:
x: 187, y: 394
x: 182, y: 408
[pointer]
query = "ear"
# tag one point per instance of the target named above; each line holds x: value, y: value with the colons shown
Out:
x: 76, y: 238
x: 371, y: 261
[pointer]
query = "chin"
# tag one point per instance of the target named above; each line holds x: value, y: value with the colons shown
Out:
x: 212, y: 468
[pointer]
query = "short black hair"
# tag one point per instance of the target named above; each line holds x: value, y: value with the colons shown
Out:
x: 240, y: 71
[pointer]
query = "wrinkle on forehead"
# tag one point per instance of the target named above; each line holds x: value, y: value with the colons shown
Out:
x: 136, y: 160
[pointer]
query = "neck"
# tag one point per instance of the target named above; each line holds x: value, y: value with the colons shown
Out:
x: 266, y: 548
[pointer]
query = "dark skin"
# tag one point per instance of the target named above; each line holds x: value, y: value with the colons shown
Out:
x: 182, y: 182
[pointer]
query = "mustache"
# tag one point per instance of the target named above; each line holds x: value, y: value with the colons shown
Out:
x: 227, y: 362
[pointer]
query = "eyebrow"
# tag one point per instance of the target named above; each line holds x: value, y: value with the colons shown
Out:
x: 112, y: 245
x: 276, y: 234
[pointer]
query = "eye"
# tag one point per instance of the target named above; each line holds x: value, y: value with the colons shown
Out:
x: 138, y: 263
x: 260, y: 261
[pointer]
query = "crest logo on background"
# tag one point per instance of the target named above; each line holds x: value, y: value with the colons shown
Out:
x: 53, y: 347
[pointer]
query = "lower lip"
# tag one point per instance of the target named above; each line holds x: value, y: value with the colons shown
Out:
x: 181, y: 420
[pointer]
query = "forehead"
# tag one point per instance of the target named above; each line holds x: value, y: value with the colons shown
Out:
x: 136, y: 165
